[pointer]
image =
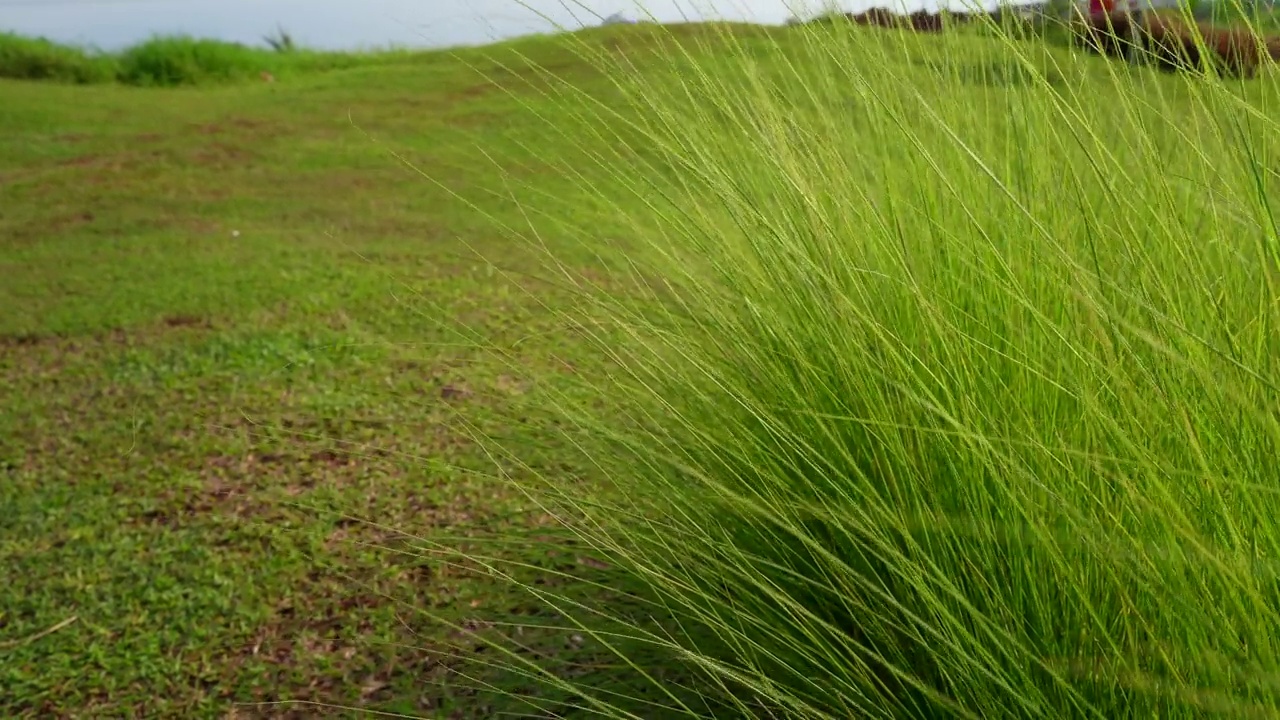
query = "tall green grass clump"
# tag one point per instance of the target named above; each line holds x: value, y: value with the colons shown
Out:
x: 928, y: 396
x: 24, y: 58
x: 180, y: 60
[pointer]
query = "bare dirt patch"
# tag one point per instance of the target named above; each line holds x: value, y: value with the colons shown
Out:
x: 81, y: 161
x: 23, y: 340
x: 517, y: 76
x: 232, y: 123
x: 223, y: 155
x: 180, y: 321
x: 41, y: 228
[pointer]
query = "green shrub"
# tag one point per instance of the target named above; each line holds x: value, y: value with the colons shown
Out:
x: 168, y: 61
x: 26, y: 58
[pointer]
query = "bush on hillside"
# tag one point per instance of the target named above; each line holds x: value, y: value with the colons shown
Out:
x: 182, y: 60
x: 26, y: 58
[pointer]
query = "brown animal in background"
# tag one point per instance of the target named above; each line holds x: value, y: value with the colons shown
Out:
x: 1169, y: 43
x: 1115, y: 34
x: 1240, y: 52
x: 877, y: 16
x: 1173, y: 44
x: 1176, y: 45
x: 924, y: 21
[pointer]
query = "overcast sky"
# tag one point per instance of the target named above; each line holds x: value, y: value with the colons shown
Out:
x: 112, y: 24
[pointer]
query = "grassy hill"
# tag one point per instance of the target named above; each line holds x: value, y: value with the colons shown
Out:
x: 230, y: 313
x: 261, y: 342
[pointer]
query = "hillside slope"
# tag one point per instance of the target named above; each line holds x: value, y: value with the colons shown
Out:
x: 234, y: 316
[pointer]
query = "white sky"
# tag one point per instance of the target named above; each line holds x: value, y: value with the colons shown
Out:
x: 111, y: 24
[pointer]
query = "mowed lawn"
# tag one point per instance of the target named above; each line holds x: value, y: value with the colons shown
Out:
x: 248, y: 336
x: 232, y: 320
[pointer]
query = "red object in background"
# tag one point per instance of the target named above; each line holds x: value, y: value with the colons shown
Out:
x: 1102, y: 6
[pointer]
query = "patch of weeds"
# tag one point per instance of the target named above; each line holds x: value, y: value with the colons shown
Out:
x: 243, y: 355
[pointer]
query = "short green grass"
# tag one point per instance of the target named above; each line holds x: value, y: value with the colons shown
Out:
x: 241, y: 320
x: 231, y: 318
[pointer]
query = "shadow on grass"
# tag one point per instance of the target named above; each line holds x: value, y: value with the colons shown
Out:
x: 566, y: 634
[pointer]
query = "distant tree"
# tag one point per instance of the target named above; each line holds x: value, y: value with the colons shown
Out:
x: 280, y: 42
x: 617, y: 19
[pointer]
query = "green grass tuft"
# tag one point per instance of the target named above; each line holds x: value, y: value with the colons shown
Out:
x: 26, y: 58
x: 170, y: 61
x: 932, y: 397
